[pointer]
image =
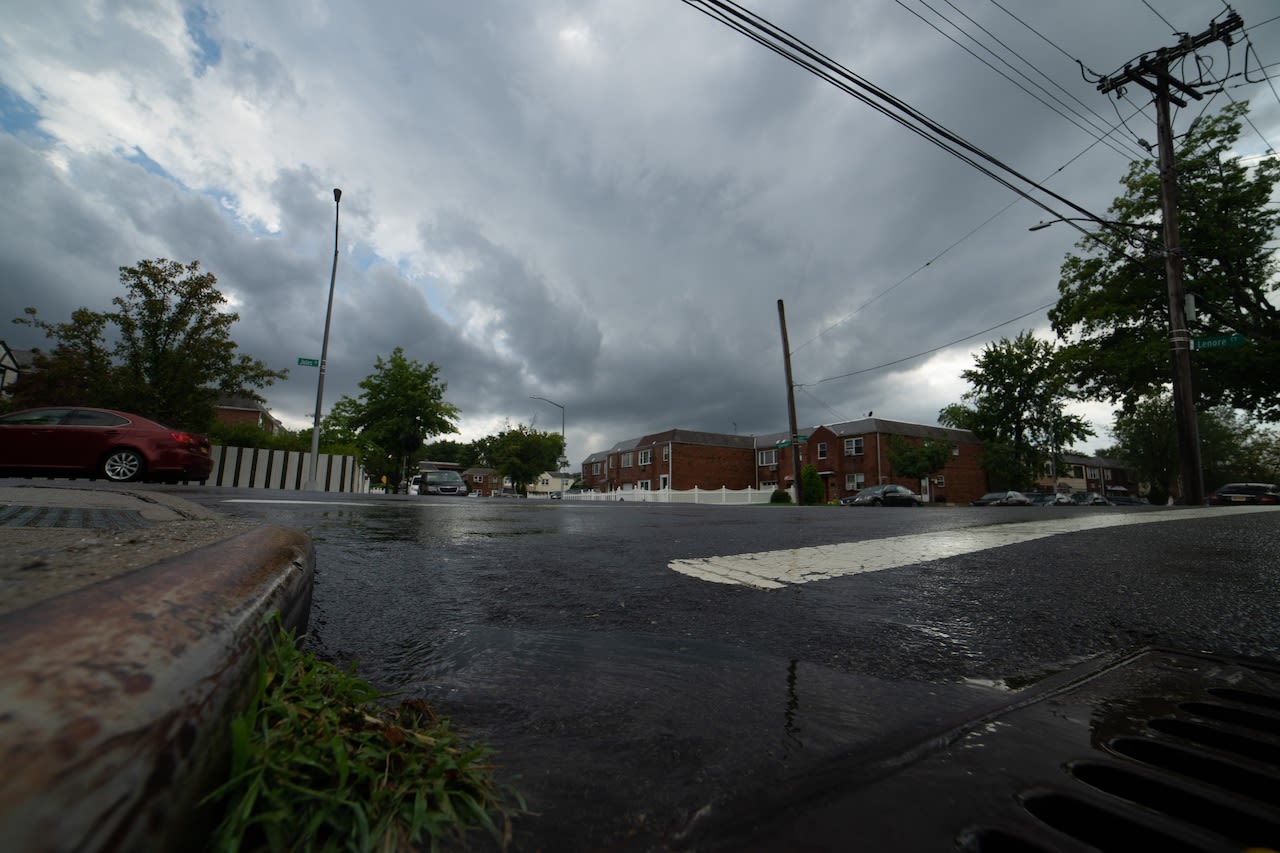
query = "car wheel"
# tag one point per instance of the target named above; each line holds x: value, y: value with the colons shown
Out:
x: 123, y: 465
x: 877, y: 502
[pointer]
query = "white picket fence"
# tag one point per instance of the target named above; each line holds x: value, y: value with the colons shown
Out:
x: 255, y: 468
x: 726, y: 496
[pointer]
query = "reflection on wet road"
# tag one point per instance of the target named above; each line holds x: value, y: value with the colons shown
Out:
x: 633, y: 704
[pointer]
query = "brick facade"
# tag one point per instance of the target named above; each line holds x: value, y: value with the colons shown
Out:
x: 849, y: 456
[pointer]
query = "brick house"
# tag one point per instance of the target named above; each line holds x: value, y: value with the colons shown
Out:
x: 852, y: 455
x: 1090, y: 474
x: 849, y: 456
x: 678, y: 459
x: 232, y: 410
x: 485, y: 481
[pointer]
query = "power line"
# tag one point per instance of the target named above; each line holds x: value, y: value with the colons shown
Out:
x: 798, y: 52
x: 1077, y: 119
x: 1043, y: 307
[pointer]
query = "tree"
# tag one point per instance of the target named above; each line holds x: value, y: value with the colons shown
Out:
x: 1113, y: 305
x: 918, y: 461
x: 1232, y: 448
x: 400, y: 406
x: 811, y: 485
x: 172, y: 358
x: 522, y: 453
x: 1017, y: 406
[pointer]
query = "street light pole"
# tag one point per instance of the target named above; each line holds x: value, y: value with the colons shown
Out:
x: 312, y: 483
x: 563, y: 447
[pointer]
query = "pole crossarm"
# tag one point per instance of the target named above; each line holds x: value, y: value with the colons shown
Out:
x: 1158, y: 67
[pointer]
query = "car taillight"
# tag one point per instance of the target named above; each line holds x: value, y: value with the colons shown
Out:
x: 1268, y: 499
x: 187, y: 438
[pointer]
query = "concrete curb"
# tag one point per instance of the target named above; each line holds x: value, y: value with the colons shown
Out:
x: 115, y: 698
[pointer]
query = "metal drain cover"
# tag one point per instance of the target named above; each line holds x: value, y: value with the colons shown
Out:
x: 1162, y: 750
x: 54, y: 516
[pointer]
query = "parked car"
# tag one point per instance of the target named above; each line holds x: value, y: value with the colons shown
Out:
x: 118, y: 446
x: 1127, y: 500
x: 1089, y: 499
x: 556, y: 496
x: 1049, y: 499
x: 443, y: 483
x: 1234, y: 494
x: 1005, y: 498
x: 885, y: 495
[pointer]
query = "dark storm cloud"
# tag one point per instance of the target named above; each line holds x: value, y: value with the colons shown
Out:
x: 595, y: 202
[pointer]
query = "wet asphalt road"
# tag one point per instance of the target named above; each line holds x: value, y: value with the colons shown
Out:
x: 638, y: 708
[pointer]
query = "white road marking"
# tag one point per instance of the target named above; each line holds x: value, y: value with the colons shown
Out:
x: 777, y: 569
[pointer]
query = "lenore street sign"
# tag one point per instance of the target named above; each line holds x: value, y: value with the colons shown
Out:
x: 309, y: 362
x: 1218, y: 342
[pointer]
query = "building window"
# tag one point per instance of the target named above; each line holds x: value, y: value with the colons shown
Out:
x: 854, y: 482
x: 1106, y: 473
x: 643, y: 485
x: 955, y: 450
x: 1091, y: 473
x: 769, y: 484
x: 646, y: 456
x: 613, y: 462
x: 595, y: 467
x: 666, y: 453
x: 822, y: 450
x: 853, y: 446
x: 768, y: 457
x: 940, y: 481
x: 628, y: 459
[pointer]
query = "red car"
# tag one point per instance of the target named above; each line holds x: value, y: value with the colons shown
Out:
x: 118, y: 446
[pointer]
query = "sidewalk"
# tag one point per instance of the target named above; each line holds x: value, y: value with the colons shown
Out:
x: 129, y: 620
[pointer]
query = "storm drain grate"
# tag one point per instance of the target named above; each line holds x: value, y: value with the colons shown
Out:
x: 53, y: 516
x: 1161, y: 750
x: 1184, y: 755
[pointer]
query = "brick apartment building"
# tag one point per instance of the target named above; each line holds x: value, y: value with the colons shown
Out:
x: 849, y: 456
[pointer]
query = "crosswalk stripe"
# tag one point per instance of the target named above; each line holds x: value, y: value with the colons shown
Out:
x: 777, y: 569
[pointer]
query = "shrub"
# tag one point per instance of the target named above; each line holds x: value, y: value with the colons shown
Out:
x: 780, y: 496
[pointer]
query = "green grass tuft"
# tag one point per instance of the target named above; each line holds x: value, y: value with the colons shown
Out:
x: 317, y: 763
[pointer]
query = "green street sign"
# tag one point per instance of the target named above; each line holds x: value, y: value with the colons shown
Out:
x: 309, y: 362
x: 802, y: 438
x: 782, y: 444
x: 1218, y: 342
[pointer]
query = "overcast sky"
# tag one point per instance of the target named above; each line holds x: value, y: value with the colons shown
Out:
x: 599, y: 202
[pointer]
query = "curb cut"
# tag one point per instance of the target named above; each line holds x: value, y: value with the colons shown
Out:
x: 115, y: 699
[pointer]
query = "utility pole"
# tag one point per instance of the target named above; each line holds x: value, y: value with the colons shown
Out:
x: 791, y: 405
x: 1153, y: 74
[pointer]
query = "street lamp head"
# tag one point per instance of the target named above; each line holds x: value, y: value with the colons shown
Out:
x: 337, y: 195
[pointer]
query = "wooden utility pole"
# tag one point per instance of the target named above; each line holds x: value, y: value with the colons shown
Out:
x: 1160, y: 82
x: 791, y: 405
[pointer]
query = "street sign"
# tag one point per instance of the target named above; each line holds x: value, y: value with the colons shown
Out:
x: 309, y: 362
x: 1219, y: 342
x: 802, y: 438
x: 782, y: 444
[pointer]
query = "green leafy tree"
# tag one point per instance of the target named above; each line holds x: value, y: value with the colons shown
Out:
x: 522, y: 453
x: 1232, y: 447
x: 1016, y: 406
x: 811, y: 485
x: 1146, y: 439
x: 172, y: 358
x: 400, y: 406
x: 918, y: 460
x: 457, y: 452
x: 1112, y: 308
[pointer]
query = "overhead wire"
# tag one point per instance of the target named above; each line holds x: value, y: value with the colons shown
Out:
x: 940, y: 254
x: 1077, y: 119
x: 799, y: 53
x: 897, y: 361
